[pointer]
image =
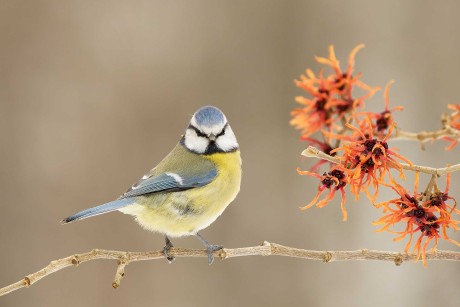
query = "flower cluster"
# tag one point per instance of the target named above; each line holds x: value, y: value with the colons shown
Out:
x: 422, y: 214
x: 370, y: 160
x: 365, y: 161
x: 331, y: 96
x: 356, y: 144
x: 330, y: 110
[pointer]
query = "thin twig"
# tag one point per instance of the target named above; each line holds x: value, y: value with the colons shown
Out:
x: 429, y: 187
x: 425, y: 136
x: 266, y: 249
x: 312, y: 151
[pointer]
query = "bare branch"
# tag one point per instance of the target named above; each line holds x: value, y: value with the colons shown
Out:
x: 314, y: 152
x: 266, y: 249
x: 425, y: 136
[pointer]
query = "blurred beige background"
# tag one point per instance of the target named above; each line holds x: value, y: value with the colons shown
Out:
x: 94, y: 93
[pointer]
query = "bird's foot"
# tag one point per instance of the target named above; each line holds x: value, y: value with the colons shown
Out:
x: 211, y: 249
x: 167, y: 249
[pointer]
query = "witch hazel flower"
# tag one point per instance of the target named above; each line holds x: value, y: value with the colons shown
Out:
x: 355, y: 143
x: 334, y: 180
x: 422, y: 215
x: 331, y: 96
x: 369, y: 158
x: 382, y: 121
x: 345, y: 81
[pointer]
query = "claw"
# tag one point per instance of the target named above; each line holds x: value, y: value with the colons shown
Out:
x: 209, y: 248
x: 167, y: 249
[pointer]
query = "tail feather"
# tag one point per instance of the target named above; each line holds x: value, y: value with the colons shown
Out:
x: 108, y: 207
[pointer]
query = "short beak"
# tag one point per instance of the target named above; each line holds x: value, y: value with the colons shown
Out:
x: 212, y: 137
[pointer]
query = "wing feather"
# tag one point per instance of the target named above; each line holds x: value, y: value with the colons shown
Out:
x: 169, y: 182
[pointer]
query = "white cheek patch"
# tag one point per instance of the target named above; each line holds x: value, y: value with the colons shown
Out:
x: 227, y: 141
x: 194, y: 142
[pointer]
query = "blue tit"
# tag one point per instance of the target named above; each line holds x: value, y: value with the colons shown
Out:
x: 189, y: 188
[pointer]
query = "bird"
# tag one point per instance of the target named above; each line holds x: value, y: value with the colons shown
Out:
x: 189, y: 189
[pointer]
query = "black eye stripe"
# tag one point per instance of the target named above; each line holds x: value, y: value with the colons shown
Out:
x: 198, y: 132
x: 201, y: 134
x: 223, y: 131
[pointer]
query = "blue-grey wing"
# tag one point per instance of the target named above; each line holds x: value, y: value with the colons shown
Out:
x: 171, y: 182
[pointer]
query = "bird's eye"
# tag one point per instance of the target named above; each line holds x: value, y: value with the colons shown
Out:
x: 222, y: 132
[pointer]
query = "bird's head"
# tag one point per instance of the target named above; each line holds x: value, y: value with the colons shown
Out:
x: 209, y: 132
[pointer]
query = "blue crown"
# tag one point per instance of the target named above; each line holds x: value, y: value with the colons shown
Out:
x: 209, y: 116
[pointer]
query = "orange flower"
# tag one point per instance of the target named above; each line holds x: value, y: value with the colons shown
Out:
x: 331, y: 96
x: 384, y: 119
x: 363, y: 156
x: 334, y: 180
x: 419, y: 217
x: 344, y: 80
x: 369, y: 158
x: 312, y: 117
x: 438, y: 202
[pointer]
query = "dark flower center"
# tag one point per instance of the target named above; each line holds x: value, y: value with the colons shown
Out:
x: 320, y: 104
x: 419, y: 213
x: 438, y: 200
x: 337, y: 174
x: 431, y: 226
x: 346, y: 106
x: 328, y: 182
x: 339, y: 79
x: 383, y: 121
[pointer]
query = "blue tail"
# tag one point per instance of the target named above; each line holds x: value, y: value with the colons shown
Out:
x: 108, y: 207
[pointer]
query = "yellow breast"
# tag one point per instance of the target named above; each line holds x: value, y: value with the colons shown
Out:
x: 217, y: 195
x: 186, y: 212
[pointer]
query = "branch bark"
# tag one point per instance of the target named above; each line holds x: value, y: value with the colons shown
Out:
x: 266, y: 249
x: 314, y: 152
x: 426, y: 136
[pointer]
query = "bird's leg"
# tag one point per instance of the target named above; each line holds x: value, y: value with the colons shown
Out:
x: 167, y: 249
x: 210, y: 248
